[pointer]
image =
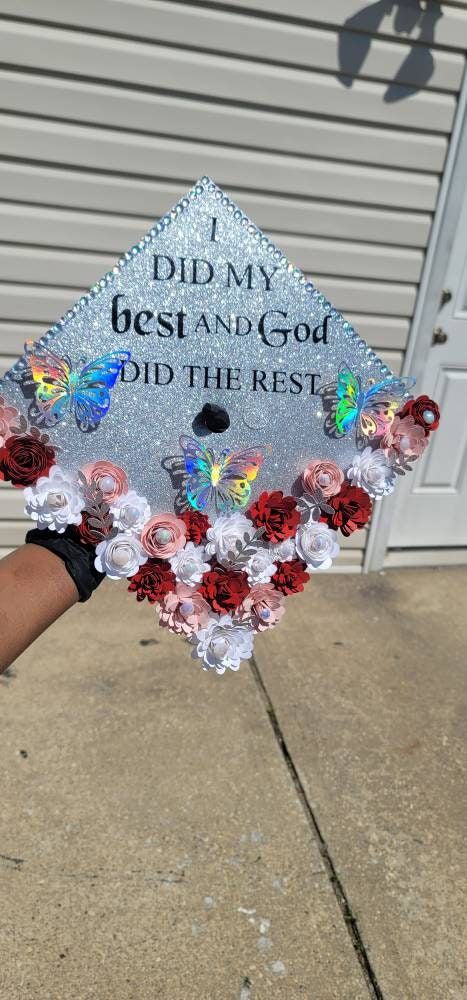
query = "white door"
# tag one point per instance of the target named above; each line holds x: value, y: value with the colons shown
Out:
x: 431, y: 505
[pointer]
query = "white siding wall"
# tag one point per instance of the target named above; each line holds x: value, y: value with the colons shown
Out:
x: 110, y: 109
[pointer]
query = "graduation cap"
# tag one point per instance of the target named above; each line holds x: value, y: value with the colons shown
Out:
x: 208, y: 421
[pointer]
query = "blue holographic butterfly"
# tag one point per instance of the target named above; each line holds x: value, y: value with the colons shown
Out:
x: 58, y: 390
x: 224, y: 481
x: 369, y: 411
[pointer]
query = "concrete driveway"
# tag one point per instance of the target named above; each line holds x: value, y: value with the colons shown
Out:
x: 292, y: 831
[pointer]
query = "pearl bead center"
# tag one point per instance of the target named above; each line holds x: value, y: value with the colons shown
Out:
x: 121, y: 555
x: 129, y: 515
x: 220, y: 646
x: 163, y: 536
x: 107, y: 484
x: 318, y: 544
x: 56, y: 501
x: 187, y: 607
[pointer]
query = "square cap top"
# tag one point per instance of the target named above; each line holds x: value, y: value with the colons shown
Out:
x: 212, y: 313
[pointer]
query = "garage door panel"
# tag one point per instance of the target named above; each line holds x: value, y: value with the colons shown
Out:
x: 63, y: 267
x: 244, y: 81
x: 451, y: 29
x: 107, y: 150
x: 169, y: 114
x: 47, y: 225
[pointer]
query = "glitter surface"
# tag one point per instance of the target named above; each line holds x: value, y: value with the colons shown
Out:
x: 202, y: 341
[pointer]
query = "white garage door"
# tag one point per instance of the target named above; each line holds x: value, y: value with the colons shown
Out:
x: 329, y: 123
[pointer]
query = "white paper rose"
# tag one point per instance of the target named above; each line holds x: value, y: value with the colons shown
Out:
x: 373, y: 471
x: 223, y: 644
x: 55, y: 500
x: 224, y: 534
x: 260, y: 566
x: 130, y: 512
x: 284, y: 551
x: 317, y: 545
x: 189, y: 564
x: 120, y: 556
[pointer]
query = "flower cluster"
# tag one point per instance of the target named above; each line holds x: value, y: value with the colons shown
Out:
x: 216, y: 584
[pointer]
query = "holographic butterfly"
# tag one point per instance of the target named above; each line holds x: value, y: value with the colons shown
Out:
x: 224, y: 481
x: 370, y: 411
x: 58, y: 390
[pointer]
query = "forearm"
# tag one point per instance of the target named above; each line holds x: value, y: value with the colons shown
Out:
x: 35, y: 589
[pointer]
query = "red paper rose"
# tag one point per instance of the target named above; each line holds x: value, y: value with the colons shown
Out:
x: 290, y: 577
x: 153, y: 580
x: 224, y: 589
x: 424, y: 411
x: 24, y: 458
x: 277, y: 514
x: 83, y: 531
x: 197, y: 525
x: 89, y: 535
x: 351, y: 509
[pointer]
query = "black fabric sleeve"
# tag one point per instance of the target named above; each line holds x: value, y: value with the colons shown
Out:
x: 78, y: 558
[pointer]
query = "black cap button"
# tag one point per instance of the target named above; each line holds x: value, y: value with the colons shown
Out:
x: 215, y: 418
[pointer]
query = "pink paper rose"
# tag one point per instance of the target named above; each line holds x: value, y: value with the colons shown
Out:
x: 263, y: 607
x: 109, y: 478
x: 9, y: 417
x: 322, y: 477
x: 163, y: 535
x: 184, y: 611
x: 404, y: 437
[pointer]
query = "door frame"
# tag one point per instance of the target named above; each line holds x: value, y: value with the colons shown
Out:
x: 453, y: 189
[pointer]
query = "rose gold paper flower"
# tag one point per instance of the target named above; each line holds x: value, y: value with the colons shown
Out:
x: 184, y: 611
x: 9, y: 417
x: 109, y: 478
x: 263, y: 607
x: 323, y: 477
x: 163, y: 535
x: 404, y: 437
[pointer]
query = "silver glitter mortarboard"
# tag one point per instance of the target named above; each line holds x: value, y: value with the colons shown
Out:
x: 212, y: 313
